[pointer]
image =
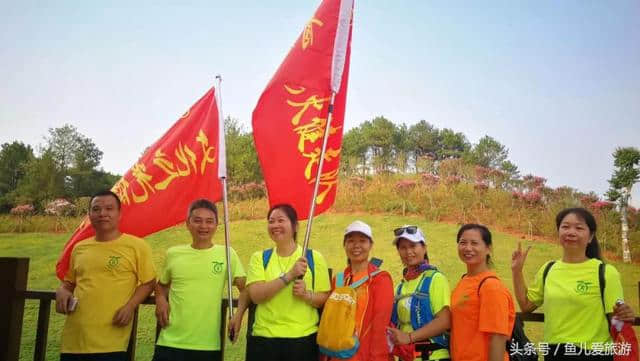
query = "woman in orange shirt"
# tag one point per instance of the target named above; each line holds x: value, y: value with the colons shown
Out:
x: 482, y: 309
x: 374, y: 297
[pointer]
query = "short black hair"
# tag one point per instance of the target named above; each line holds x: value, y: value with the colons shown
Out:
x: 593, y: 248
x: 105, y: 192
x: 202, y: 203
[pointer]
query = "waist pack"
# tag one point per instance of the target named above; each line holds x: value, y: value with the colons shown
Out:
x: 337, y: 336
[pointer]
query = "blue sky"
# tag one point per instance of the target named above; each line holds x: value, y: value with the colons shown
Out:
x: 557, y: 82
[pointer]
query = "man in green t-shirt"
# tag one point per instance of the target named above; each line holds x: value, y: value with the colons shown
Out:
x: 189, y: 292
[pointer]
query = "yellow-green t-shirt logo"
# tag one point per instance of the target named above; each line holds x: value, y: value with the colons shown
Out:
x: 582, y: 287
x: 217, y: 267
x: 113, y: 262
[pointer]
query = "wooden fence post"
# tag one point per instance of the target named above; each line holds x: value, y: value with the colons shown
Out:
x: 13, y: 282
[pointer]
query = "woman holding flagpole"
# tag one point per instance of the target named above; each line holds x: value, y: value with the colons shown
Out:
x: 287, y: 288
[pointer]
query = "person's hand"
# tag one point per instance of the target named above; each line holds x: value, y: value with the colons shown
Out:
x: 123, y: 316
x: 518, y: 258
x: 234, y: 327
x: 300, y: 290
x: 398, y: 337
x: 63, y: 298
x: 298, y: 269
x: 162, y: 311
x: 623, y: 312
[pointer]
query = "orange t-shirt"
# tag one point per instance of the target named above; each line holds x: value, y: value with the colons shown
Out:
x: 474, y: 318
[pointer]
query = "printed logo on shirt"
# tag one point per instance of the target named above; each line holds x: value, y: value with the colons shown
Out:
x: 582, y: 287
x: 113, y: 262
x: 217, y: 267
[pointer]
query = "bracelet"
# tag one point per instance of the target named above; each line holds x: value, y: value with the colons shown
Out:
x: 410, y: 338
x: 284, y: 279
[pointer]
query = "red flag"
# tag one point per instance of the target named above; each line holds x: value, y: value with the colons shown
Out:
x: 291, y: 115
x: 177, y: 169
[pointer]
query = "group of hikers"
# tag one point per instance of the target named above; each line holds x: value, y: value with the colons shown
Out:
x: 418, y: 319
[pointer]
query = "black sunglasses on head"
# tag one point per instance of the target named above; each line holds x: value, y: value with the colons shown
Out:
x: 408, y: 229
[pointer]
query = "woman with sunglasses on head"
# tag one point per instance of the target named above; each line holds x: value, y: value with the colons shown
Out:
x: 482, y: 309
x: 374, y: 296
x: 287, y: 289
x: 421, y: 308
x: 576, y: 304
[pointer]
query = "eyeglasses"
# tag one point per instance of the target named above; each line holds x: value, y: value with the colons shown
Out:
x: 409, y: 229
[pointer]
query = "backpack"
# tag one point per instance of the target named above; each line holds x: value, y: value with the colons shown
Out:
x: 517, y: 347
x: 337, y: 336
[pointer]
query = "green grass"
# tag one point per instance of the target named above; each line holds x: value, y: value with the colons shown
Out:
x: 250, y: 236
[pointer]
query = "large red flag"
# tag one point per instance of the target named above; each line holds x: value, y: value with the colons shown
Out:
x: 177, y: 169
x: 291, y: 115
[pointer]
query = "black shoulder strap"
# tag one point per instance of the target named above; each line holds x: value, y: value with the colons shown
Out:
x: 546, y: 272
x: 481, y: 282
x: 601, y: 267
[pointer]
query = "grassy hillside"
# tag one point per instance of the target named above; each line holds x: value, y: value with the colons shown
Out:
x: 250, y: 236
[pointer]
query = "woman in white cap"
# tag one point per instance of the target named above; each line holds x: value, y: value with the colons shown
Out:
x: 421, y: 309
x: 374, y: 295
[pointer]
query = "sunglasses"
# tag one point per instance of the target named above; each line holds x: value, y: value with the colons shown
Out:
x: 408, y: 229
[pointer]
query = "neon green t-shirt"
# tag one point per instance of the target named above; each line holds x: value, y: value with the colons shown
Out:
x: 572, y: 305
x: 285, y: 315
x: 197, y: 278
x: 440, y: 297
x: 106, y: 275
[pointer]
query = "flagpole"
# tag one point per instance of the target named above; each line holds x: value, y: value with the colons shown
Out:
x: 312, y: 207
x: 222, y: 173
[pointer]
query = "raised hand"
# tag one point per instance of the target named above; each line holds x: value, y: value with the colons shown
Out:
x: 518, y: 258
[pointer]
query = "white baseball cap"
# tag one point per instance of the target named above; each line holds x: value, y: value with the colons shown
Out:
x: 412, y: 233
x: 359, y: 226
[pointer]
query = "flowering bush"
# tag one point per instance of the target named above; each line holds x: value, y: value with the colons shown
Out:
x: 22, y: 210
x: 430, y: 179
x: 60, y: 207
x: 404, y: 187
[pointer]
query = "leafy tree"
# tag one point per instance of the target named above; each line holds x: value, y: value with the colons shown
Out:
x: 242, y: 160
x: 13, y: 160
x: 43, y: 180
x: 423, y: 138
x: 354, y: 152
x: 451, y: 144
x: 626, y: 174
x: 379, y: 136
x: 488, y: 153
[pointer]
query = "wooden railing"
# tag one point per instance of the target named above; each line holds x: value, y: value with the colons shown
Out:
x: 13, y: 293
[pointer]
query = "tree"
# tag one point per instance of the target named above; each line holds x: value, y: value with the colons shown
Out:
x: 488, y: 153
x: 13, y: 160
x: 451, y: 144
x: 242, y: 160
x: 626, y: 174
x: 378, y: 134
x: 354, y: 151
x: 423, y: 139
x: 42, y: 181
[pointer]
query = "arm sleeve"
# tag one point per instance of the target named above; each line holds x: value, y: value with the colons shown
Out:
x: 237, y: 270
x: 165, y: 274
x: 612, y: 288
x: 146, y: 270
x: 322, y: 273
x: 440, y: 293
x: 382, y: 298
x: 535, y: 291
x: 495, y: 308
x: 256, y: 269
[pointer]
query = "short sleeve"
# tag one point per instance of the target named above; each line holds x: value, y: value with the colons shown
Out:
x: 237, y: 270
x: 146, y: 271
x: 613, y: 287
x: 322, y: 283
x: 495, y: 308
x: 165, y: 275
x: 535, y: 292
x: 256, y: 269
x: 439, y: 292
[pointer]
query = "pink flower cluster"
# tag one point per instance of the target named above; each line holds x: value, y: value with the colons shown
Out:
x: 600, y: 205
x: 430, y: 179
x: 532, y: 198
x: 453, y: 179
x: 59, y: 207
x: 405, y: 186
x: 22, y: 210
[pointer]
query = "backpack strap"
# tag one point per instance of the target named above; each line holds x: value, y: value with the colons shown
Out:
x: 340, y: 279
x: 481, y: 282
x: 364, y: 279
x: 266, y: 256
x: 547, y: 268
x: 312, y: 267
x: 602, y: 281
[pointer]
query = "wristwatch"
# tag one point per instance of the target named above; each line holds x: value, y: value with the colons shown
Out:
x: 283, y: 278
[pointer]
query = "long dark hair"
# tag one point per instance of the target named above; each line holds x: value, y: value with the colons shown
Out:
x: 485, y: 234
x: 290, y: 212
x: 593, y: 248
